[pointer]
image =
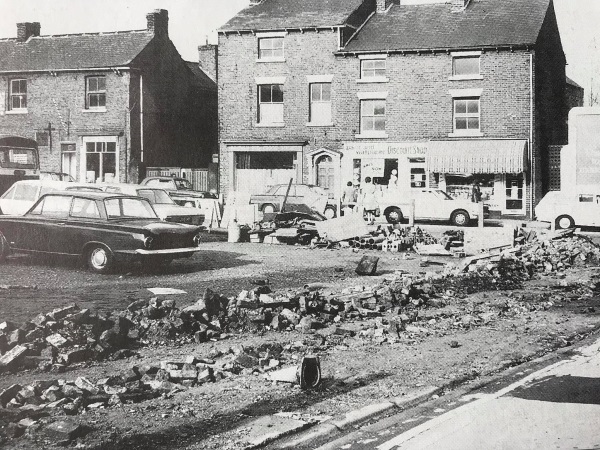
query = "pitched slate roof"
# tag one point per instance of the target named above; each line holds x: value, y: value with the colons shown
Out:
x: 280, y: 14
x: 73, y: 51
x: 573, y: 83
x: 201, y: 80
x: 434, y: 26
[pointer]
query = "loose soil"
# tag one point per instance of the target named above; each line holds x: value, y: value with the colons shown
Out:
x: 549, y: 312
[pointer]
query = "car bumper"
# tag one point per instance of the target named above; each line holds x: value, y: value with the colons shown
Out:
x: 163, y: 252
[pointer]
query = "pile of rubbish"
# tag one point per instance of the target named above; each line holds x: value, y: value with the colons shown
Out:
x: 393, y: 239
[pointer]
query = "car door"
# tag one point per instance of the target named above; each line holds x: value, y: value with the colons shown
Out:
x: 423, y: 207
x: 44, y: 224
x: 81, y: 226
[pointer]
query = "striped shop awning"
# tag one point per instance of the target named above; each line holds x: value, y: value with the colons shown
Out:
x: 477, y: 156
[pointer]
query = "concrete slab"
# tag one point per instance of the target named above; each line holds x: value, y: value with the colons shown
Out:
x: 266, y: 429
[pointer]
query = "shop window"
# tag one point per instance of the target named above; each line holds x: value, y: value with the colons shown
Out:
x: 270, y: 104
x: 95, y: 92
x: 18, y: 95
x: 465, y: 66
x: 466, y: 115
x: 101, y: 160
x: 320, y: 103
x: 270, y: 48
x: 372, y: 115
x: 372, y: 69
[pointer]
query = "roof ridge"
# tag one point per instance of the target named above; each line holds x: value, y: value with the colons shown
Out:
x: 98, y: 33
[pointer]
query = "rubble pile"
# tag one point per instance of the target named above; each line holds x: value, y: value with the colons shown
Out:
x: 393, y: 239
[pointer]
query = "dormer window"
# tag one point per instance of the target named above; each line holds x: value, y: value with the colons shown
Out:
x: 270, y: 46
x: 18, y: 95
x: 95, y: 92
x: 465, y: 65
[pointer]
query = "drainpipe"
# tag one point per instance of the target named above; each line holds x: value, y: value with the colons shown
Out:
x: 141, y: 120
x: 530, y: 150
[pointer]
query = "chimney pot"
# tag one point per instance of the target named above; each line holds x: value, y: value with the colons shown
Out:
x: 158, y: 22
x: 459, y: 5
x: 25, y: 30
x: 383, y: 5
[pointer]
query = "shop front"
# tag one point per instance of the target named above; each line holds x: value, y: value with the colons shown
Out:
x: 398, y: 165
x: 498, y: 166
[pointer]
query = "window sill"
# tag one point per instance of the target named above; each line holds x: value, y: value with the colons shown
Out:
x: 465, y: 77
x: 270, y: 60
x: 94, y: 110
x: 316, y: 124
x: 269, y: 125
x: 373, y: 80
x: 371, y: 135
x: 466, y: 134
x: 16, y: 111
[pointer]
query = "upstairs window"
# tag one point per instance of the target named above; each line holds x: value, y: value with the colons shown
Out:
x: 270, y: 104
x: 18, y: 94
x: 372, y: 116
x: 320, y: 103
x: 465, y: 66
x: 95, y: 92
x: 372, y: 68
x: 270, y: 48
x: 466, y: 115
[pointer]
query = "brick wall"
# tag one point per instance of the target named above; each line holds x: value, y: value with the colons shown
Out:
x: 60, y: 101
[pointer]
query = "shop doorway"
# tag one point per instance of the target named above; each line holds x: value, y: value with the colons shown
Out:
x: 514, y: 193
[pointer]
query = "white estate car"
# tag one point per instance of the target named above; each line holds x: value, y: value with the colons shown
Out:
x: 430, y: 204
x: 567, y: 209
x: 21, y: 196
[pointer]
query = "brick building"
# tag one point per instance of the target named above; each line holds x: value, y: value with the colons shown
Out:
x: 104, y: 106
x: 446, y: 94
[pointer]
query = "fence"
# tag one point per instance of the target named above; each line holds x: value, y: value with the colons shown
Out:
x: 198, y: 177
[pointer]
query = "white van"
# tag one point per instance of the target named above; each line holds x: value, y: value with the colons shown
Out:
x: 566, y: 209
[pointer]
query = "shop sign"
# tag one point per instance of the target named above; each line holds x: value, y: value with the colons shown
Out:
x: 385, y: 149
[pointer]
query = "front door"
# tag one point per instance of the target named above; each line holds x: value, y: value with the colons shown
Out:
x: 326, y: 173
x: 514, y: 194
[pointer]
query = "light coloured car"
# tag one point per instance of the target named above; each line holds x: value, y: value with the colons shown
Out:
x: 430, y: 204
x: 314, y: 197
x: 163, y: 204
x: 23, y: 194
x: 566, y: 209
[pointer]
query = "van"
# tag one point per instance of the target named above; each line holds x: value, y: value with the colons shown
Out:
x: 567, y: 209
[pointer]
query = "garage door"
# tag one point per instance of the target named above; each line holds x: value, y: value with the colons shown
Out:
x: 255, y: 172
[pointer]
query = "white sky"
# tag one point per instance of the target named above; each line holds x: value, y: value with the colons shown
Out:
x: 192, y: 21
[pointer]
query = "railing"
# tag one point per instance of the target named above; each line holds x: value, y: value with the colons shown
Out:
x: 198, y: 177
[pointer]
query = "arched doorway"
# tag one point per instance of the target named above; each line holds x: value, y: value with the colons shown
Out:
x: 325, y: 169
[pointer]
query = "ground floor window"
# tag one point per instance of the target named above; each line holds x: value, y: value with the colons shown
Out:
x: 460, y: 185
x: 100, y: 159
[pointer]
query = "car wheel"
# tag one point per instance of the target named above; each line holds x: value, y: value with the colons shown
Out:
x: 268, y: 208
x: 460, y: 218
x: 563, y: 222
x: 99, y: 259
x: 394, y: 215
x: 4, y: 248
x: 330, y: 212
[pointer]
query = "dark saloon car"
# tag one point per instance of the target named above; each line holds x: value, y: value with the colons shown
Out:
x: 103, y: 228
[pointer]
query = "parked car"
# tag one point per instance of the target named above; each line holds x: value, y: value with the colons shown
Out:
x: 23, y: 194
x: 177, y: 187
x: 56, y: 176
x: 103, y: 228
x: 567, y: 209
x: 430, y: 204
x: 314, y: 197
x: 163, y: 204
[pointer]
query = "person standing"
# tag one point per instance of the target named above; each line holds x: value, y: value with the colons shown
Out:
x: 476, y: 193
x: 349, y: 196
x: 369, y: 199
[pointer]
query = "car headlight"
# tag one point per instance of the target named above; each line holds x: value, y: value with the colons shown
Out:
x: 197, y: 239
x: 148, y: 242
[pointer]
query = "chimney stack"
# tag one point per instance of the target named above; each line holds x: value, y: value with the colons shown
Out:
x: 158, y: 22
x: 208, y: 59
x: 459, y: 5
x: 25, y: 30
x: 383, y: 5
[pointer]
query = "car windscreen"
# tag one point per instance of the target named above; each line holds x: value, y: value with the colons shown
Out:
x: 183, y: 184
x: 128, y: 208
x: 17, y: 158
x: 27, y: 192
x: 443, y: 195
x: 156, y: 196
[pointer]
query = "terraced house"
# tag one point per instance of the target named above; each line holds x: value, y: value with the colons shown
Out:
x: 104, y: 106
x: 446, y: 94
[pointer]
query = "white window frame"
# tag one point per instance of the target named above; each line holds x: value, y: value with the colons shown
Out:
x: 319, y: 110
x: 270, y: 36
x: 372, y: 78
x: 364, y: 97
x: 22, y: 96
x: 466, y: 115
x: 83, y: 156
x: 462, y: 55
x: 264, y: 106
x: 99, y: 92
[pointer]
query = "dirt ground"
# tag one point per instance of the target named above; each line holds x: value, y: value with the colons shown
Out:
x: 465, y: 337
